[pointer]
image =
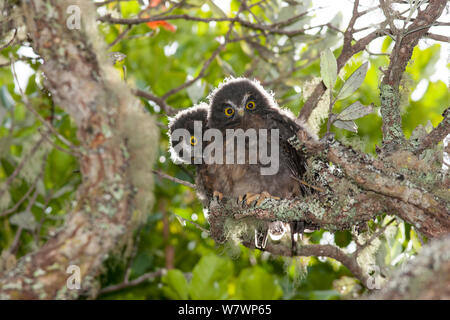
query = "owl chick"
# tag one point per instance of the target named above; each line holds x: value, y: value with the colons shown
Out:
x: 244, y: 104
x: 186, y: 144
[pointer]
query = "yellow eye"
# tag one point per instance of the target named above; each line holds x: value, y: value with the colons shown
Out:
x: 250, y: 105
x: 193, y: 140
x: 228, y: 111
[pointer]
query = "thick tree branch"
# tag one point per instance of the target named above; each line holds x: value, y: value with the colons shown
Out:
x: 405, y: 41
x: 78, y: 77
x: 356, y: 188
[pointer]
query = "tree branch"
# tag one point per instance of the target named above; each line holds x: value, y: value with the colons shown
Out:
x: 437, y: 135
x: 405, y: 41
x: 348, y: 51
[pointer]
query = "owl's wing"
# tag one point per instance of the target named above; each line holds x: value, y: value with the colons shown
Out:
x: 203, y: 186
x: 296, y: 159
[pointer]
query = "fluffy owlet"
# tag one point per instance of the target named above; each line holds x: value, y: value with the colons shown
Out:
x: 183, y: 143
x: 243, y: 104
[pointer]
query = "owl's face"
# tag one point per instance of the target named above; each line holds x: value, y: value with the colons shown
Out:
x: 236, y: 102
x: 185, y: 133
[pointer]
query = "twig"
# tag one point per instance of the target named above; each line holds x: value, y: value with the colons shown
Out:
x: 437, y: 134
x: 437, y: 37
x: 25, y: 196
x: 16, y: 242
x: 193, y: 223
x: 205, y: 65
x: 120, y: 37
x: 347, y: 52
x: 388, y: 14
x: 103, y: 3
x: 20, y: 166
x: 361, y: 247
x: 135, y: 282
x: 176, y: 180
x: 15, y: 245
x: 68, y: 151
x: 159, y: 101
x: 272, y: 28
x: 6, y: 45
x: 320, y: 250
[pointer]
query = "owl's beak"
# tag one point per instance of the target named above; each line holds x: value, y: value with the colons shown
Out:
x: 240, y: 112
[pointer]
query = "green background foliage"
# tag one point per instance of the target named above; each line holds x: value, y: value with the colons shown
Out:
x: 201, y: 269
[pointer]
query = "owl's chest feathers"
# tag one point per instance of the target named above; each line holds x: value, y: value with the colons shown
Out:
x: 235, y: 180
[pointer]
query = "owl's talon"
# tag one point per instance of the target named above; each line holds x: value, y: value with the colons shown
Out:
x: 218, y: 195
x: 265, y: 195
x: 250, y: 198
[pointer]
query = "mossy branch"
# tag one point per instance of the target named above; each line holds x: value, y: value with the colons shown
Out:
x: 406, y: 40
x: 355, y: 189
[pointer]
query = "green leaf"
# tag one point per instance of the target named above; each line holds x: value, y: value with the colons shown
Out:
x: 386, y: 44
x: 214, y: 8
x: 342, y: 238
x: 5, y: 199
x: 24, y: 219
x: 355, y: 111
x: 196, y: 91
x: 353, y: 82
x: 257, y: 284
x: 176, y: 285
x: 129, y: 8
x: 417, y: 245
x: 60, y: 167
x: 328, y: 68
x: 346, y: 124
x: 210, y: 278
x: 6, y: 100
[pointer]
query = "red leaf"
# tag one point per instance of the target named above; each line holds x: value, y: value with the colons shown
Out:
x: 154, y: 3
x: 162, y: 23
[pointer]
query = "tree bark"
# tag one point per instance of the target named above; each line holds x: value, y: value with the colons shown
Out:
x: 106, y: 113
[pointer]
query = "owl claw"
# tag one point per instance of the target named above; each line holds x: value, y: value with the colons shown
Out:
x: 265, y: 195
x: 251, y: 198
x: 218, y: 195
x: 255, y: 199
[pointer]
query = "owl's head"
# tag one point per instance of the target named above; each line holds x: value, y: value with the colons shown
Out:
x: 237, y: 99
x: 186, y: 131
